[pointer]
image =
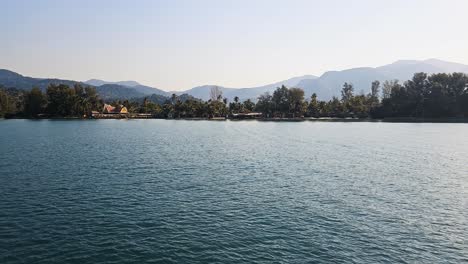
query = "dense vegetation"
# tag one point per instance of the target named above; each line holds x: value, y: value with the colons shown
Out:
x: 58, y: 101
x: 437, y: 95
x: 434, y: 96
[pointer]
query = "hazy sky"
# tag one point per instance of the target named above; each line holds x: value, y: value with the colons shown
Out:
x: 176, y: 45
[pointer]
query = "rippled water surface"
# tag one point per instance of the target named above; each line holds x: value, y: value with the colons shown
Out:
x: 112, y: 191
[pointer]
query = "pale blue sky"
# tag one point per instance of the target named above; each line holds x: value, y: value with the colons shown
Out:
x: 176, y: 45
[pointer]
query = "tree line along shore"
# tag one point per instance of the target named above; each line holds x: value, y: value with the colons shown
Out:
x: 424, y: 96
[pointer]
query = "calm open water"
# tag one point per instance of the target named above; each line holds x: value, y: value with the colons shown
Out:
x: 115, y: 191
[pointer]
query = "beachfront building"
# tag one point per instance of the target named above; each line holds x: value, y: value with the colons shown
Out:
x: 109, y: 109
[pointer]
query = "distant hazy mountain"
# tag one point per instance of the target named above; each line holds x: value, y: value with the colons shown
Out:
x: 11, y: 79
x: 145, y: 90
x: 203, y: 92
x: 150, y: 90
x: 107, y: 90
x: 137, y: 93
x: 326, y: 86
x: 161, y: 99
x: 330, y: 83
x: 404, y: 69
x: 115, y: 91
x: 97, y: 82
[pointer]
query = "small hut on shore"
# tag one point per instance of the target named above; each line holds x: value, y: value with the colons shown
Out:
x: 109, y: 109
x: 111, y: 112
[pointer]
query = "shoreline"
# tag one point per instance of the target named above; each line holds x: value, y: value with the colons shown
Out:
x: 306, y: 119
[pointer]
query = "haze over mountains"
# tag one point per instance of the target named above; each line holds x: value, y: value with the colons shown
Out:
x: 331, y: 82
x: 96, y: 82
x: 203, y: 92
x: 325, y: 86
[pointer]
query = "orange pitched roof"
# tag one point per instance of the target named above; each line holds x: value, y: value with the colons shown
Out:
x: 109, y: 108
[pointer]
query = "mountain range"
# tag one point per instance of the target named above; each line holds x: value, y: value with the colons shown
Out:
x: 327, y: 85
x: 203, y: 92
x: 106, y: 90
x: 331, y: 82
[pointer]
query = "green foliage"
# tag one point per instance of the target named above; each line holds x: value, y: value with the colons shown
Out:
x: 248, y: 106
x: 335, y: 108
x: 437, y: 95
x: 265, y: 105
x: 34, y: 102
x: 281, y: 100
x: 4, y: 103
x: 77, y: 101
x: 284, y: 103
x: 347, y: 92
x: 296, y: 102
x: 313, y: 109
x: 11, y: 102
